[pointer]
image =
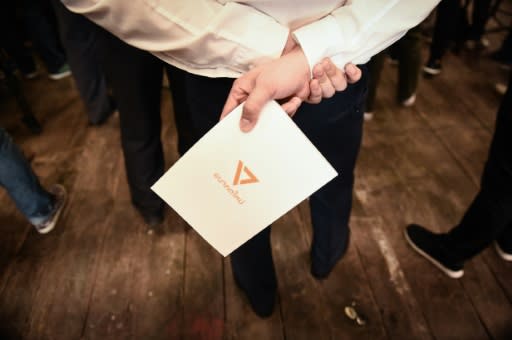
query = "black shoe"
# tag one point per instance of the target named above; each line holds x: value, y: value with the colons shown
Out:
x: 433, y: 67
x: 152, y: 219
x: 429, y: 245
x: 262, y: 304
x: 321, y: 271
x: 502, y: 251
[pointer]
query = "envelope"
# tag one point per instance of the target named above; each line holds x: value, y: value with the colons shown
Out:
x: 231, y: 185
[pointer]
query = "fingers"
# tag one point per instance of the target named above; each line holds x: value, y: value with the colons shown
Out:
x: 259, y: 96
x: 291, y: 106
x: 353, y: 73
x: 335, y: 75
x: 315, y: 95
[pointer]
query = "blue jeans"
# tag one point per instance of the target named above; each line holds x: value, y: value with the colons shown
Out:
x: 21, y: 183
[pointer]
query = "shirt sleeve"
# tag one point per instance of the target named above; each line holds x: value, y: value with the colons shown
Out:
x: 203, y: 36
x: 360, y: 29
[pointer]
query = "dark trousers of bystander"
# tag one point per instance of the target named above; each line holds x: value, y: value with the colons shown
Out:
x: 135, y: 77
x: 489, y: 218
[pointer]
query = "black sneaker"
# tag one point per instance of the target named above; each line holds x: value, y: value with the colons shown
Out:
x: 433, y: 67
x: 429, y: 245
x: 504, y: 253
x: 60, y: 194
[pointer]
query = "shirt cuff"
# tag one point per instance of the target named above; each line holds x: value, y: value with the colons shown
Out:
x: 318, y: 39
x: 250, y: 28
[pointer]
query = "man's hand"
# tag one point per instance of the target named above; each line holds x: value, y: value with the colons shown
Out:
x: 328, y: 79
x: 284, y: 78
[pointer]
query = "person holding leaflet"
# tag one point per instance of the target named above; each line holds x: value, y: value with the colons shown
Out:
x: 275, y: 50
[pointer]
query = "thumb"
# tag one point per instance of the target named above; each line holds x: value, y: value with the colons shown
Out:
x: 253, y: 105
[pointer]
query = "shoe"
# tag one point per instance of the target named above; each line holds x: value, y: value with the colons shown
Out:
x: 368, y: 116
x: 501, y: 88
x: 409, y: 101
x: 262, y: 305
x: 322, y: 271
x: 393, y: 61
x: 480, y: 44
x: 504, y: 254
x: 429, y: 245
x: 63, y: 72
x: 60, y: 194
x: 30, y: 74
x: 152, y: 219
x: 433, y: 67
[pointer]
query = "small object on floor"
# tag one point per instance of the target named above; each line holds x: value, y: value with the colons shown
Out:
x: 60, y: 194
x: 429, y: 245
x: 354, y: 315
x: 409, y: 101
x: 63, y: 72
x: 432, y: 68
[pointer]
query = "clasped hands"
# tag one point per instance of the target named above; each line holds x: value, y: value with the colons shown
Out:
x: 287, y: 79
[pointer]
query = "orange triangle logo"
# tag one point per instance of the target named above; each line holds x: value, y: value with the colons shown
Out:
x: 250, y: 178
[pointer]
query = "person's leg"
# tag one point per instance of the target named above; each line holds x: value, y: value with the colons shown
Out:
x: 490, y: 213
x: 136, y: 80
x: 78, y: 36
x: 489, y: 216
x: 480, y: 16
x: 444, y: 33
x: 335, y: 127
x: 252, y: 264
x: 22, y: 185
x: 374, y: 71
x: 43, y: 31
x: 12, y: 41
x: 409, y: 57
x: 182, y: 116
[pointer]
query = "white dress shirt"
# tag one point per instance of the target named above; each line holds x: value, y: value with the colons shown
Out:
x: 224, y: 38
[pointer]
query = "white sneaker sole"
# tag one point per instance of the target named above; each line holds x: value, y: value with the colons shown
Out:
x: 56, y: 218
x: 454, y: 274
x: 431, y: 71
x: 58, y: 76
x: 501, y: 253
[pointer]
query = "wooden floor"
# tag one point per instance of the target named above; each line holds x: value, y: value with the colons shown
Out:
x: 102, y: 274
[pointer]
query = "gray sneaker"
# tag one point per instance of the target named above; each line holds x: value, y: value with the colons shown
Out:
x: 60, y: 201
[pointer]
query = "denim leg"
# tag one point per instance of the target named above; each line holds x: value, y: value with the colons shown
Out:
x: 21, y: 183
